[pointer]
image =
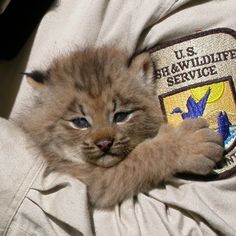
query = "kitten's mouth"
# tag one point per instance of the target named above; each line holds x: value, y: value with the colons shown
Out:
x: 107, y: 155
x: 107, y: 159
x: 114, y: 154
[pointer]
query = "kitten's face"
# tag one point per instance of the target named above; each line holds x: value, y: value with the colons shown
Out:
x: 93, y: 107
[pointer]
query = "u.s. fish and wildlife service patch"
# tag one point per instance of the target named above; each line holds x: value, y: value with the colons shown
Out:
x: 196, y: 77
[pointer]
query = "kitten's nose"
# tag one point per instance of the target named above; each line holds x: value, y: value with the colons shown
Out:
x: 104, y: 144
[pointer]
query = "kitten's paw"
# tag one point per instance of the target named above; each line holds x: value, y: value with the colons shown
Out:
x: 200, y: 147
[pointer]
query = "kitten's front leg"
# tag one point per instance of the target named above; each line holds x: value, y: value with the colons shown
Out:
x: 189, y: 147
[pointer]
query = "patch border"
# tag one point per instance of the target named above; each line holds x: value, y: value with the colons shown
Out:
x: 166, y: 44
x: 158, y: 46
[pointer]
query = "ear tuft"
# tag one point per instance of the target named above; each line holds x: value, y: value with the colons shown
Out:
x: 36, y: 78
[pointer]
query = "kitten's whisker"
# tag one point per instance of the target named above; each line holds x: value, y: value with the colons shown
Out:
x: 87, y: 144
x: 89, y: 148
x: 125, y: 138
x: 94, y: 153
x: 123, y: 141
x: 118, y: 152
x: 91, y: 151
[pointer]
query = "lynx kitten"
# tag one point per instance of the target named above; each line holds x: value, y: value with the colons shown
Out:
x: 95, y: 117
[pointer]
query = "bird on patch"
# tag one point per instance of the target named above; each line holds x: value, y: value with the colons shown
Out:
x: 195, y: 109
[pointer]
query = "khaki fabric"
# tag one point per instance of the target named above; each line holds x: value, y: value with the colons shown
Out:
x: 31, y: 204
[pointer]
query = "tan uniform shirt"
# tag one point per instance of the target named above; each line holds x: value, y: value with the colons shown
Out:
x: 57, y: 205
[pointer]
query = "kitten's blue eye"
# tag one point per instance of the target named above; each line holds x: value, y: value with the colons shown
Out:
x: 80, y: 122
x: 120, y: 117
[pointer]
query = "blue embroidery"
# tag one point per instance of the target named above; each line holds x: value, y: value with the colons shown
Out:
x: 224, y: 125
x: 195, y: 109
x: 176, y: 110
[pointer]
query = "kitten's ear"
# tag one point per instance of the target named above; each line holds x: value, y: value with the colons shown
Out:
x: 37, y: 79
x: 142, y: 66
x: 140, y: 62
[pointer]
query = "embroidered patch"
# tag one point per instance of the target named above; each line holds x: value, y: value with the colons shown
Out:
x: 196, y: 77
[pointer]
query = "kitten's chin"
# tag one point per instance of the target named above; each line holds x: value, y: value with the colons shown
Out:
x: 107, y: 160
